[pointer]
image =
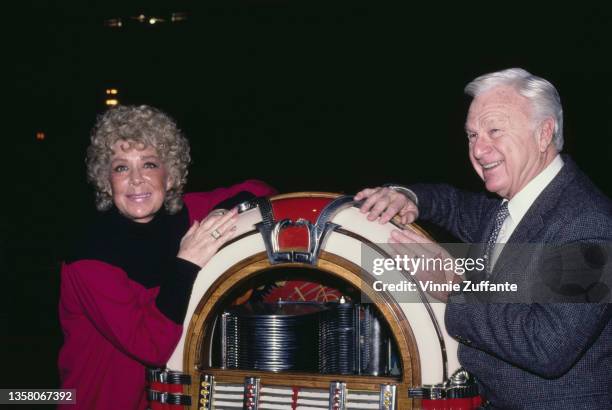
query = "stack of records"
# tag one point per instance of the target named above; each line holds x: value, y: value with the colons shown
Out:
x: 337, y: 337
x: 275, y: 337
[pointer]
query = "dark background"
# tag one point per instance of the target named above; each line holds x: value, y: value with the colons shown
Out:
x: 330, y: 96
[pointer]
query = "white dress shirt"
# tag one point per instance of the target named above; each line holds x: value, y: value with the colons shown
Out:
x: 522, y: 201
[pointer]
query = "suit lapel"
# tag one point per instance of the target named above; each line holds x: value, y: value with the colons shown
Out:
x: 529, y: 230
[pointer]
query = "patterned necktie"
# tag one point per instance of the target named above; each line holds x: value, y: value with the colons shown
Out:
x: 500, y: 217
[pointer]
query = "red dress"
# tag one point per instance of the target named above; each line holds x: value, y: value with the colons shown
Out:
x: 123, y: 300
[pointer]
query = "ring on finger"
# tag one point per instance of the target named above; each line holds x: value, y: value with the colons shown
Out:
x: 215, y: 234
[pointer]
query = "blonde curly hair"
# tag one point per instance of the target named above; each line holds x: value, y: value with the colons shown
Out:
x: 141, y: 126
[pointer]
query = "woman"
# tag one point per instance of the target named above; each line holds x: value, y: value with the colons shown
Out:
x: 124, y: 293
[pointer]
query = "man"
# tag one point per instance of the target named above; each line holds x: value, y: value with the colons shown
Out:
x: 525, y: 355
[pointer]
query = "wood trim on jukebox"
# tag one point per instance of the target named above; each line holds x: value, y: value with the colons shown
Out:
x: 198, y: 338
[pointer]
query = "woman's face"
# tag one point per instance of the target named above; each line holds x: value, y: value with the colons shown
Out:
x: 138, y: 180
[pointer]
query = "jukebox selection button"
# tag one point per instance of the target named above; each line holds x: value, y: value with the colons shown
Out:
x: 337, y: 395
x: 206, y: 392
x: 251, y: 393
x: 388, y: 393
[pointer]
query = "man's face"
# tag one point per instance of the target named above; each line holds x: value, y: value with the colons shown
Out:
x: 504, y: 148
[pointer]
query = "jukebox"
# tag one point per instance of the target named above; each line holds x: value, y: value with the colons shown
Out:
x: 285, y: 316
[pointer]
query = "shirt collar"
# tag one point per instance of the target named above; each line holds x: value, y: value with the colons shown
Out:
x: 522, y: 201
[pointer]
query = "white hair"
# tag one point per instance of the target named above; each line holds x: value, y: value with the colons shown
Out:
x: 543, y: 95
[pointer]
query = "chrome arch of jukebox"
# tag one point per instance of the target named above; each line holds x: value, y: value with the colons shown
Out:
x: 285, y: 317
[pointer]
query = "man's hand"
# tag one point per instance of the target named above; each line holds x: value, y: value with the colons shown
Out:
x: 386, y: 203
x: 413, y: 245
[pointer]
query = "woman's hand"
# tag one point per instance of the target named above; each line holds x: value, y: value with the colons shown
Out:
x: 204, y: 238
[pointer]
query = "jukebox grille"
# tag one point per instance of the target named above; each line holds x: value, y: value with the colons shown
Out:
x: 229, y: 396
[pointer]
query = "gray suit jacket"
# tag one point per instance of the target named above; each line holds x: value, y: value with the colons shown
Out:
x: 534, y: 355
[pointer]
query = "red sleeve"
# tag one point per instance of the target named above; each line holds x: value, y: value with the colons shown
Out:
x: 200, y: 204
x: 123, y: 311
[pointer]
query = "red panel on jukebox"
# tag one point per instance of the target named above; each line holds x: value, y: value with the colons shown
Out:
x: 294, y: 209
